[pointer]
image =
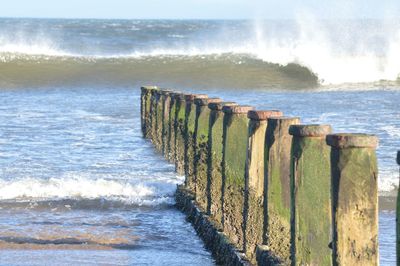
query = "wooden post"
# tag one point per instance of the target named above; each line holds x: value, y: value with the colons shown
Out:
x: 354, y: 199
x: 253, y: 214
x: 310, y: 195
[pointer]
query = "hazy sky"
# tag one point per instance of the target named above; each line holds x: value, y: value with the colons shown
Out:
x: 187, y: 9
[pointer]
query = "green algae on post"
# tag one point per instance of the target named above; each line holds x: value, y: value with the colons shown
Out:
x: 143, y: 95
x: 253, y: 214
x: 166, y: 100
x: 310, y: 195
x: 180, y: 127
x: 398, y: 215
x: 354, y: 199
x: 214, y: 175
x: 201, y: 150
x: 158, y: 143
x: 153, y: 114
x: 191, y: 125
x: 146, y: 93
x: 278, y: 143
x: 172, y: 118
x: 233, y: 166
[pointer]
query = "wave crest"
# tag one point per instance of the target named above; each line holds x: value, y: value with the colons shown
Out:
x: 342, y: 52
x: 147, y: 194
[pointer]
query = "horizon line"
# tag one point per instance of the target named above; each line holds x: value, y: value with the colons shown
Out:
x: 191, y: 19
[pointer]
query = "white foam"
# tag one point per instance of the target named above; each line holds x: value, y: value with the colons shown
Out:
x: 388, y: 182
x: 314, y: 48
x: 310, y: 45
x: 392, y: 130
x: 40, y: 45
x: 140, y: 193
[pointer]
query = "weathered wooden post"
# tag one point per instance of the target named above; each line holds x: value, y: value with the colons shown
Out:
x: 310, y: 195
x: 155, y: 95
x: 253, y: 214
x: 146, y: 93
x: 278, y: 143
x: 191, y: 124
x: 354, y: 199
x: 172, y: 118
x: 214, y: 174
x: 201, y: 149
x: 398, y: 216
x: 143, y: 96
x: 166, y: 100
x: 180, y: 127
x: 158, y: 143
x: 233, y: 165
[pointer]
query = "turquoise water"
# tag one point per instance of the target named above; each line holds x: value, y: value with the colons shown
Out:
x: 77, y: 178
x: 79, y: 184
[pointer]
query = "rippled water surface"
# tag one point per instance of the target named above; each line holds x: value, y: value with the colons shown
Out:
x: 76, y: 175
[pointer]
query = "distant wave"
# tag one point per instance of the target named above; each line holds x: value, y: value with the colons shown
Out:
x: 214, y: 68
x: 303, y: 55
x: 166, y: 68
x: 83, y: 189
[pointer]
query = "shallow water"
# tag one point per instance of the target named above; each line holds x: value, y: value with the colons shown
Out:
x: 77, y: 175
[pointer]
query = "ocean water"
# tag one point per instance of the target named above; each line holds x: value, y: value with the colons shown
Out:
x: 78, y: 183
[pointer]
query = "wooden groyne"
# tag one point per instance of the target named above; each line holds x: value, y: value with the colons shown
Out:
x: 398, y: 216
x: 263, y: 189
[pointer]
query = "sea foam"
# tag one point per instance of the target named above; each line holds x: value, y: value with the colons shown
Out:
x: 136, y: 193
x: 339, y: 52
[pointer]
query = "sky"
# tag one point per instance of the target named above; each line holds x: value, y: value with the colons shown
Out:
x: 199, y: 9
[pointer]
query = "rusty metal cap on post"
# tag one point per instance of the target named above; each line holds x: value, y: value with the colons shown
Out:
x: 352, y: 140
x: 237, y: 109
x: 218, y: 106
x: 263, y: 114
x: 190, y: 97
x: 310, y: 130
x: 206, y: 101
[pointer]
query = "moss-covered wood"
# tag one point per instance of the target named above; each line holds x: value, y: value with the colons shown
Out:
x: 214, y: 175
x: 155, y: 94
x: 398, y: 217
x: 159, y: 121
x: 202, y: 150
x: 172, y: 118
x: 277, y: 186
x: 354, y: 199
x: 146, y: 93
x: 233, y: 167
x: 180, y: 127
x: 310, y: 195
x: 253, y: 213
x: 190, y: 130
x: 143, y: 95
x: 166, y: 100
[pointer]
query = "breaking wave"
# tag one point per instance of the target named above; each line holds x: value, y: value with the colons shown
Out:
x: 257, y: 54
x: 84, y: 189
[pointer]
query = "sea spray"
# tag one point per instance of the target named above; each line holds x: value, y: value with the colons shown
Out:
x: 231, y: 54
x: 82, y: 188
x: 343, y: 51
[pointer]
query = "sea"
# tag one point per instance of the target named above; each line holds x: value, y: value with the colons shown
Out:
x: 78, y: 183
